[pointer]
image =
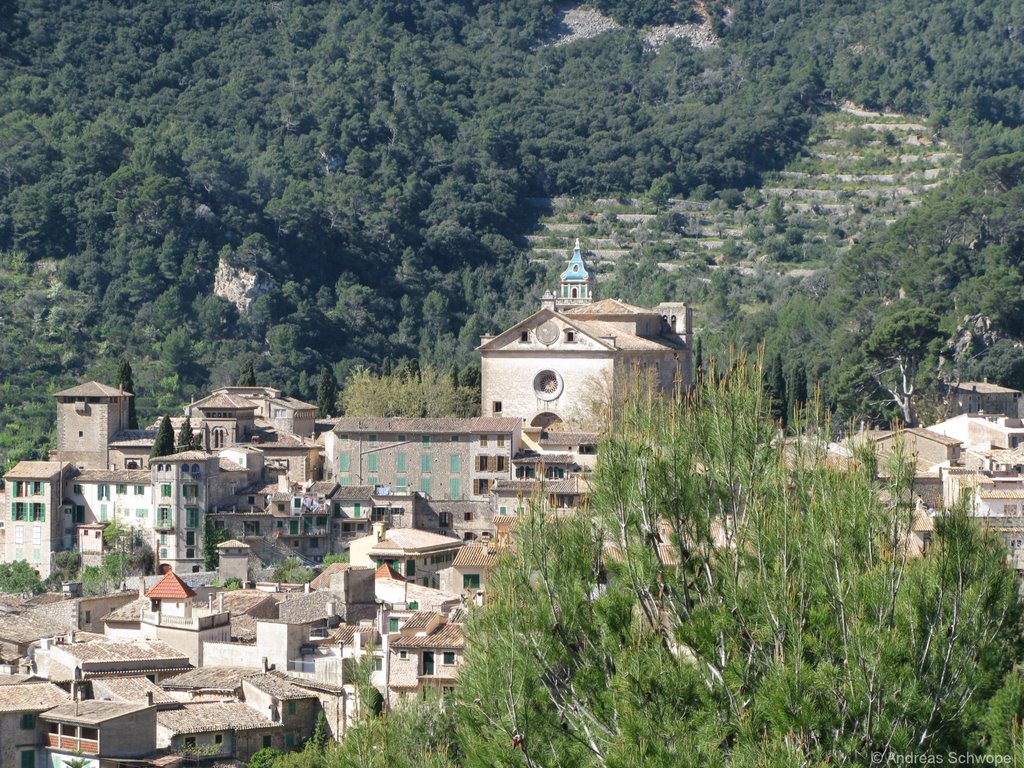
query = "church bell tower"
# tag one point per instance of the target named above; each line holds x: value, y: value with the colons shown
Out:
x: 576, y: 286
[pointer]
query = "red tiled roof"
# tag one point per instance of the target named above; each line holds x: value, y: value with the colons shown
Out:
x: 387, y: 572
x: 171, y: 587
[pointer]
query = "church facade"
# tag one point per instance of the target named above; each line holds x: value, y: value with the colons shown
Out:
x: 568, y: 361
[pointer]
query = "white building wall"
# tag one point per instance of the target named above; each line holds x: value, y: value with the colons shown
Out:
x: 508, y: 377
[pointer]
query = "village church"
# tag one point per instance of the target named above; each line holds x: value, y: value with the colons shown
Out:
x: 568, y: 359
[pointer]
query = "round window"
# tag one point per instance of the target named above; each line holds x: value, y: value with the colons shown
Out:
x: 547, y: 385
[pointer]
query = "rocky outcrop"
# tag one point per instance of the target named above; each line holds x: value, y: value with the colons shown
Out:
x: 241, y: 286
x: 583, y: 23
x: 699, y: 35
x: 974, y: 335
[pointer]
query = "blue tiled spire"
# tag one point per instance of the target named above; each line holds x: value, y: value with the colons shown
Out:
x: 576, y: 270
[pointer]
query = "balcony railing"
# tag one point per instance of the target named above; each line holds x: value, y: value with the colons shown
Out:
x: 71, y: 744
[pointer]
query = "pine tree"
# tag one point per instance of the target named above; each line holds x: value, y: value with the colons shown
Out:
x: 126, y: 383
x: 247, y: 378
x: 326, y: 393
x: 186, y: 438
x: 164, y: 443
x: 746, y: 590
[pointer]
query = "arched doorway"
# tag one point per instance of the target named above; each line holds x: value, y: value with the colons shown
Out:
x: 545, y: 419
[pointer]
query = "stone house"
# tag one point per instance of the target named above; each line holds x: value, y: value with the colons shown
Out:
x: 417, y: 555
x: 21, y: 731
x: 982, y: 397
x: 283, y: 702
x: 468, y: 573
x: 439, y: 458
x: 426, y: 654
x: 107, y: 730
x: 215, y: 729
x: 71, y: 658
x: 36, y: 522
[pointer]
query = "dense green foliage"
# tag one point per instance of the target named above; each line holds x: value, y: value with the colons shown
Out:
x: 19, y: 578
x: 763, y: 602
x: 371, y: 165
x: 937, y: 295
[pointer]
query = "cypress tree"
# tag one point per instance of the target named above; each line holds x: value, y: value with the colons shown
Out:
x: 126, y: 383
x: 698, y: 360
x: 164, y: 443
x: 326, y: 393
x: 798, y: 385
x: 247, y: 378
x: 186, y: 438
x: 775, y: 385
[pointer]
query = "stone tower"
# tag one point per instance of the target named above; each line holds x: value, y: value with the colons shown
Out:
x: 87, y: 417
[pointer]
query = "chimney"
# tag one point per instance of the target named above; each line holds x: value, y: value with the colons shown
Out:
x: 305, y: 587
x: 547, y: 301
x: 220, y: 602
x: 149, y: 698
x: 266, y: 664
x: 209, y: 601
x: 332, y: 608
x: 71, y: 637
x: 378, y: 530
x: 283, y: 486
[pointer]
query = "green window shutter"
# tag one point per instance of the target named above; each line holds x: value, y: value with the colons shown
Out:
x: 392, y: 625
x: 358, y: 510
x: 165, y: 490
x: 371, y: 462
x: 455, y: 489
x: 471, y: 581
x: 425, y: 486
x: 402, y: 484
x: 343, y: 460
x: 456, y: 463
x: 425, y: 462
x: 28, y: 721
x: 410, y: 567
x: 426, y: 439
x: 400, y: 462
x: 28, y: 759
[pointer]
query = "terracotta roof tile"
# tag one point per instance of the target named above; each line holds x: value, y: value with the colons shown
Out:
x: 130, y: 689
x: 92, y: 712
x: 224, y: 679
x: 34, y: 469
x: 204, y: 717
x: 474, y: 556
x: 387, y: 572
x: 445, y: 636
x: 171, y: 587
x: 31, y: 697
x: 428, y: 426
x: 273, y: 684
x: 92, y: 389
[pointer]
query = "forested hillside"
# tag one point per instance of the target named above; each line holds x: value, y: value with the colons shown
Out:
x: 367, y: 165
